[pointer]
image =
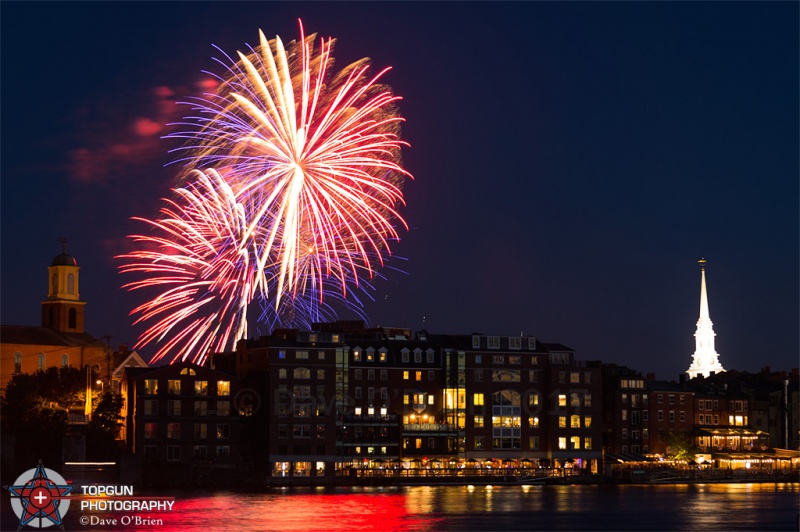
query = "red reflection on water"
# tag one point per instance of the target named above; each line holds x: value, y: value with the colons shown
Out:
x: 293, y: 511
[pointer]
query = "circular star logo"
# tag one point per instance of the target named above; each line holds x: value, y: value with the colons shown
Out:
x: 38, y: 497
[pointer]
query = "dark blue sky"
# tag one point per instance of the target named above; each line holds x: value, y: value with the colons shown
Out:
x: 572, y: 160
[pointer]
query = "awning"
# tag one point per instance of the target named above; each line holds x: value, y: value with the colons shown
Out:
x: 734, y: 431
x: 626, y: 457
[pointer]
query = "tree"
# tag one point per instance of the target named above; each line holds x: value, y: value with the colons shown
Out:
x: 35, y: 411
x: 103, y: 428
x: 681, y: 445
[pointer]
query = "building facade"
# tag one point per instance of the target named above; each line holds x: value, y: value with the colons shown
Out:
x: 181, y: 413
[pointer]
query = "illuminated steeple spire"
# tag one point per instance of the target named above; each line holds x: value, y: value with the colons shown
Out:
x: 705, y: 360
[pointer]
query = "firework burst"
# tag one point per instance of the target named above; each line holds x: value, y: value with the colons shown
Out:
x: 288, y: 194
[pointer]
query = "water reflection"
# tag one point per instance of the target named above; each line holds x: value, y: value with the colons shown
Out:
x: 633, y: 507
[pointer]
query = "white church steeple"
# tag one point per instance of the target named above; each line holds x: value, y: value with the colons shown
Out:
x: 705, y: 360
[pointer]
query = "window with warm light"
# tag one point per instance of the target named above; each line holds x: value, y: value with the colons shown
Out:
x: 575, y: 422
x: 533, y: 422
x: 562, y: 399
x: 562, y: 443
x: 477, y: 421
x: 223, y: 388
x: 174, y: 387
x: 477, y: 399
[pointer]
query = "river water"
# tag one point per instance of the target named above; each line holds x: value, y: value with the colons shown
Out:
x: 693, y: 507
x: 588, y: 507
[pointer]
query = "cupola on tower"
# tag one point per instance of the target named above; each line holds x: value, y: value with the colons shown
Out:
x: 63, y: 309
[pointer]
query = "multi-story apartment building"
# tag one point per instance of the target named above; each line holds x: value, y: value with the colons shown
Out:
x: 626, y: 411
x: 343, y: 398
x: 304, y: 394
x: 181, y: 413
x: 671, y: 415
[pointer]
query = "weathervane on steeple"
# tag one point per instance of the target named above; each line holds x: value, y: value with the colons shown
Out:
x: 702, y: 263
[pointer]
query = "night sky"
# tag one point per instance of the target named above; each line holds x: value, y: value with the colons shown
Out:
x: 572, y: 161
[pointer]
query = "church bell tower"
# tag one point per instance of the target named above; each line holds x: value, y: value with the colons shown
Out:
x: 705, y: 360
x: 63, y: 309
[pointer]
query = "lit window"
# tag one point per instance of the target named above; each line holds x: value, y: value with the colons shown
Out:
x: 431, y: 399
x: 301, y: 355
x: 150, y: 386
x: 418, y: 375
x: 574, y: 377
x: 533, y: 422
x: 150, y: 430
x: 357, y: 356
x: 587, y: 443
x: 562, y: 443
x: 576, y: 442
x: 562, y: 422
x: 587, y: 421
x: 223, y: 388
x: 562, y: 400
x: 478, y: 421
x: 405, y: 375
x: 173, y: 387
x: 575, y: 422
x: 477, y: 399
x: 188, y: 371
x: 201, y: 387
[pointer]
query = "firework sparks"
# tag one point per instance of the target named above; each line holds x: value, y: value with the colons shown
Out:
x: 292, y: 174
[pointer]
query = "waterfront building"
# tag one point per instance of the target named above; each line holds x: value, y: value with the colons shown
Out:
x: 343, y: 399
x: 670, y: 416
x: 301, y: 382
x: 705, y: 360
x: 181, y: 413
x: 626, y: 428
